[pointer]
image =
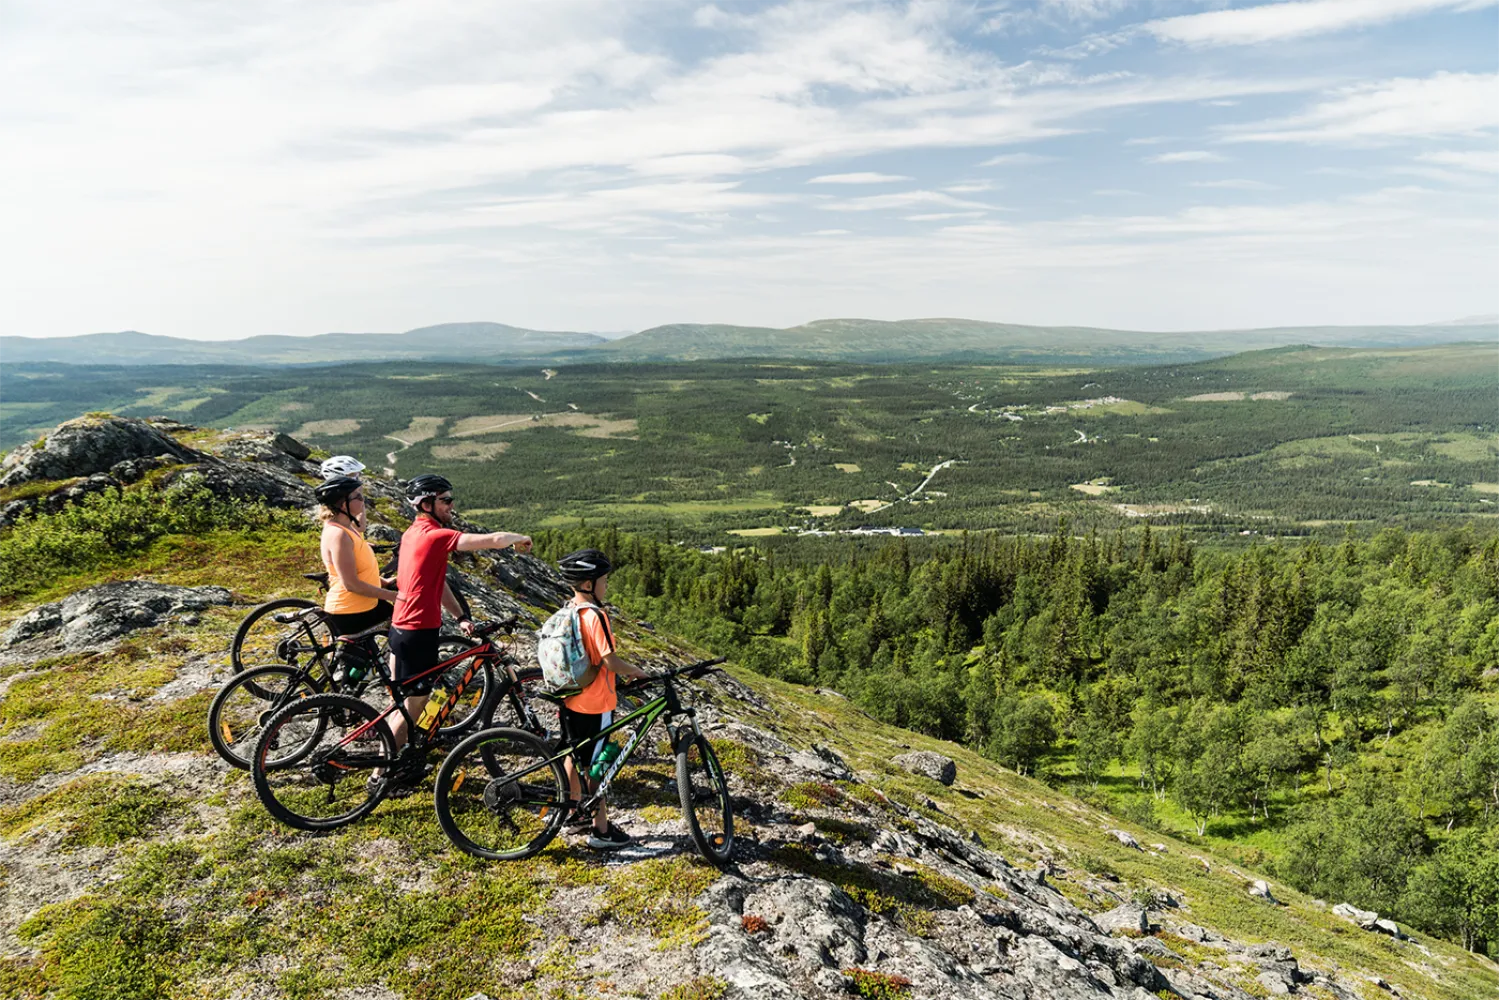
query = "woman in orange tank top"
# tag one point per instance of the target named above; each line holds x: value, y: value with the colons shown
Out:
x: 358, y: 597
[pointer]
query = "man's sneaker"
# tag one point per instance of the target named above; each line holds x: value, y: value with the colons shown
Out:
x: 611, y: 839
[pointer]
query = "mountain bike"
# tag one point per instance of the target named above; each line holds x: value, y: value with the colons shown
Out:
x: 315, y: 757
x: 240, y: 710
x: 502, y: 794
x: 278, y: 632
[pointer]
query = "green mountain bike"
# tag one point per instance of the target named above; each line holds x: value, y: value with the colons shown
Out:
x: 502, y: 794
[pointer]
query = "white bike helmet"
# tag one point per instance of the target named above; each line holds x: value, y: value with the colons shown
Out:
x: 341, y: 465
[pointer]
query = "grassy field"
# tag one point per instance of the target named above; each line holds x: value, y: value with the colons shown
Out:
x: 1283, y: 441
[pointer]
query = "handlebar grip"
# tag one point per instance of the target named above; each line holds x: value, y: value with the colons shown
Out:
x: 490, y: 628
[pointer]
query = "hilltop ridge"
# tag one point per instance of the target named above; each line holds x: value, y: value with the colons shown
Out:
x: 874, y: 862
x: 848, y: 339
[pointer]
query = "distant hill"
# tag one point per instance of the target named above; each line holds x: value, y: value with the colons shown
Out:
x: 859, y: 340
x: 445, y: 342
x: 973, y: 340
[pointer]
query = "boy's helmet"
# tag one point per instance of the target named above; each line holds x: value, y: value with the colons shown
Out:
x: 583, y: 566
x: 341, y: 465
x: 426, y: 485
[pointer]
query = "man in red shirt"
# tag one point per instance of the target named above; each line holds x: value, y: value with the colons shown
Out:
x: 421, y: 581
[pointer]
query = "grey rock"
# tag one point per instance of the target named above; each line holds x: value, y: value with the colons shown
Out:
x: 1126, y: 839
x: 99, y: 615
x: 822, y: 761
x: 246, y: 482
x: 928, y: 764
x: 1260, y: 889
x: 1364, y: 918
x: 1128, y: 917
x: 87, y: 446
x: 134, y: 469
x: 1388, y: 927
x: 1274, y: 983
x: 269, y: 447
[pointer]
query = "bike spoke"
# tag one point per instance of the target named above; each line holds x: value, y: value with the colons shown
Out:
x: 498, y: 797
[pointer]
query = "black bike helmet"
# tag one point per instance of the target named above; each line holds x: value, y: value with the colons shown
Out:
x: 332, y: 492
x: 583, y: 566
x: 426, y: 485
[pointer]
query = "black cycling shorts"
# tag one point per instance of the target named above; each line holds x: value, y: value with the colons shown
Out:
x: 582, y: 726
x: 415, y: 651
x: 361, y: 620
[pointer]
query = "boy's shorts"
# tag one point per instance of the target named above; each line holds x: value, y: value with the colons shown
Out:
x: 581, y: 726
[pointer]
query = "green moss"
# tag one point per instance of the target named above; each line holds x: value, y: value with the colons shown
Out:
x: 812, y: 795
x: 35, y: 488
x: 96, y: 949
x: 656, y: 895
x: 23, y: 979
x: 701, y: 988
x: 97, y: 811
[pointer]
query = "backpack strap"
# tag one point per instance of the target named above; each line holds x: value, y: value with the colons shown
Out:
x: 603, y: 617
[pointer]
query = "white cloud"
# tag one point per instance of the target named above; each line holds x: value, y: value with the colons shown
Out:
x: 858, y: 178
x: 970, y: 187
x: 1018, y: 160
x: 1482, y: 160
x: 1187, y: 156
x: 1236, y: 184
x: 1278, y: 22
x: 1442, y: 104
x: 902, y: 199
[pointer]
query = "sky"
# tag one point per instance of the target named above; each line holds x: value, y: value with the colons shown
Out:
x: 221, y: 169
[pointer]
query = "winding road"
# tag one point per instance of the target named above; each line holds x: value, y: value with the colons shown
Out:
x: 924, y: 484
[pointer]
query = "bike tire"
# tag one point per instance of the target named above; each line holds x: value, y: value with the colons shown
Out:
x: 238, y: 713
x: 489, y: 814
x: 475, y: 710
x: 336, y: 767
x: 705, y: 799
x: 261, y: 640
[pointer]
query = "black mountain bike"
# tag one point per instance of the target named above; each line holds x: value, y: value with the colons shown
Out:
x: 502, y: 794
x: 315, y: 756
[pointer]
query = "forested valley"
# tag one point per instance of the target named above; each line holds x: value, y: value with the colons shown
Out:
x: 1328, y: 708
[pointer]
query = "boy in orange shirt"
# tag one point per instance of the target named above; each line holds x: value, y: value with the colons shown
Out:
x: 591, y: 709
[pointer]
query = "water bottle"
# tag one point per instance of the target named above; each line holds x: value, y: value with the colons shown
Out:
x: 601, y: 763
x: 434, y: 707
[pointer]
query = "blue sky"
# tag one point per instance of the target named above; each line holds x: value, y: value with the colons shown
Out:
x: 219, y: 170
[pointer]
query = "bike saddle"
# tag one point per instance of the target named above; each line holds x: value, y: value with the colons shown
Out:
x: 319, y: 578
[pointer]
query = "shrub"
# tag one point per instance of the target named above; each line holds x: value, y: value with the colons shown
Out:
x: 754, y: 923
x: 115, y: 523
x: 879, y: 985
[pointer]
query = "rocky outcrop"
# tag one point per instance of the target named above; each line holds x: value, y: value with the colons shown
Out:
x: 928, y: 764
x: 87, y: 446
x: 1128, y: 918
x: 267, y: 447
x: 99, y: 615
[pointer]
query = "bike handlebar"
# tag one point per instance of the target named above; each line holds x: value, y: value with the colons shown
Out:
x: 691, y: 670
x: 490, y: 628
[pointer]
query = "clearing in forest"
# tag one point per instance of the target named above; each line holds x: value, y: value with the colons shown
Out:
x: 420, y: 429
x: 326, y: 428
x: 846, y: 467
x: 822, y: 510
x: 583, y: 424
x: 470, y: 451
x: 867, y: 505
x: 1095, y: 487
x: 1484, y: 487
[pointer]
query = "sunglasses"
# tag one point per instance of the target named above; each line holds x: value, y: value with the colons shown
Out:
x: 447, y: 500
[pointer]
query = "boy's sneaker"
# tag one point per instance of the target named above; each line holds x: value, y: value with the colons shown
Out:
x: 611, y: 839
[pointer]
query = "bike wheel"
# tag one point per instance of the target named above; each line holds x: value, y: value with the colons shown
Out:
x: 500, y: 796
x: 327, y: 786
x: 261, y: 639
x: 475, y: 709
x: 705, y: 799
x: 238, y: 714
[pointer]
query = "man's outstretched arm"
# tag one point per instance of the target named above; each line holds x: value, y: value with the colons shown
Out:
x: 494, y: 540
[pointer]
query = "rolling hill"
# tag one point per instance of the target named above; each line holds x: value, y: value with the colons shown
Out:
x: 858, y: 340
x: 444, y: 342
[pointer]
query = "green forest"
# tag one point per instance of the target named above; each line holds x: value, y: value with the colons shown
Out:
x: 1329, y: 708
x: 1287, y: 441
